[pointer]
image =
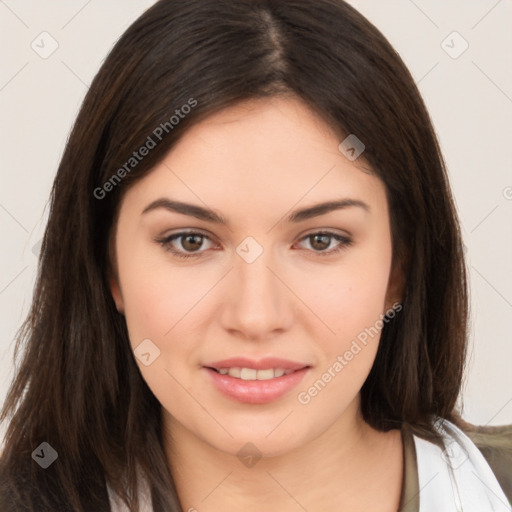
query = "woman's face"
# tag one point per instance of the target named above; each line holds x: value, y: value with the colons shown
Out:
x: 259, y: 295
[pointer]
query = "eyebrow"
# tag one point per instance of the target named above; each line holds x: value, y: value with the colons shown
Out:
x: 296, y: 216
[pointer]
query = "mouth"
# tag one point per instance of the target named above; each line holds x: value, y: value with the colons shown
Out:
x: 251, y: 373
x: 255, y: 382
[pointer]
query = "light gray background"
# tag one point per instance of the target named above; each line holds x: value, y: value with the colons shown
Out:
x: 469, y: 99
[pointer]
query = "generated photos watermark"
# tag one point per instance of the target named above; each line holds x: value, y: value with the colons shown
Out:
x: 357, y: 345
x: 151, y: 142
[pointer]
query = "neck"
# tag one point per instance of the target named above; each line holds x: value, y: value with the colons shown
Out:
x: 349, y: 466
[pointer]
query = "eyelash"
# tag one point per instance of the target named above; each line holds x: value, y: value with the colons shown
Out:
x: 166, y: 243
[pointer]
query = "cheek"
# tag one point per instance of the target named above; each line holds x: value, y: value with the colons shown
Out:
x: 157, y: 296
x: 351, y: 297
x: 164, y: 303
x: 351, y: 305
x: 148, y: 301
x: 158, y: 303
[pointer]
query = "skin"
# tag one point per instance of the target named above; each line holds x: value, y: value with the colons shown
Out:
x: 255, y: 163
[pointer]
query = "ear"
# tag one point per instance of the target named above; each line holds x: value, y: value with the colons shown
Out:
x: 115, y: 290
x: 113, y: 278
x: 396, y: 284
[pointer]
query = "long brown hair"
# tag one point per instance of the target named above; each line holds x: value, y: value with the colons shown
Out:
x: 78, y: 387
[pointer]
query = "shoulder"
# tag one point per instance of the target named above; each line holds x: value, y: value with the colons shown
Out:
x: 452, y: 467
x: 495, y: 444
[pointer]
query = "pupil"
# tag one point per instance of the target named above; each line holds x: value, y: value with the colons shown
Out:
x: 195, y: 244
x: 322, y: 239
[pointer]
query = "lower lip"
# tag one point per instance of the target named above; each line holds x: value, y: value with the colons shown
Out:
x: 256, y: 391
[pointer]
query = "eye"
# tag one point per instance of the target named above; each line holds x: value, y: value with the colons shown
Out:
x: 191, y: 242
x: 320, y: 241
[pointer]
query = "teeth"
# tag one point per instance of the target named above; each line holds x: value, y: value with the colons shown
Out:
x: 248, y: 374
x: 234, y: 372
x: 252, y: 374
x: 265, y: 374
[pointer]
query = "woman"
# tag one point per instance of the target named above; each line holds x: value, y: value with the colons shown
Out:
x: 252, y: 292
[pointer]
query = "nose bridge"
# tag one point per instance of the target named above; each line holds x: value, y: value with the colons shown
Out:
x: 257, y: 298
x: 253, y: 276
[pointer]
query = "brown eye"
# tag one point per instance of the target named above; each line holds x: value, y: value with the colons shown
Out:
x: 191, y: 242
x: 320, y: 242
x: 185, y: 244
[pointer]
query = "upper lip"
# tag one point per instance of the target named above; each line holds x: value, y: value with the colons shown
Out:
x: 261, y: 364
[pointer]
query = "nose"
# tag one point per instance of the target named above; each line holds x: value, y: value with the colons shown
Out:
x: 258, y: 305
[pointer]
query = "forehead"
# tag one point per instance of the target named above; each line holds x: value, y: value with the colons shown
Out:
x: 260, y: 156
x: 276, y: 129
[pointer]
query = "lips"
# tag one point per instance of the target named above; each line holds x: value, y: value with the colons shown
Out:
x: 255, y: 382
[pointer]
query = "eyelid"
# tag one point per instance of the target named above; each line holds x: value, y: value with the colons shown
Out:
x: 329, y: 231
x: 344, y: 240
